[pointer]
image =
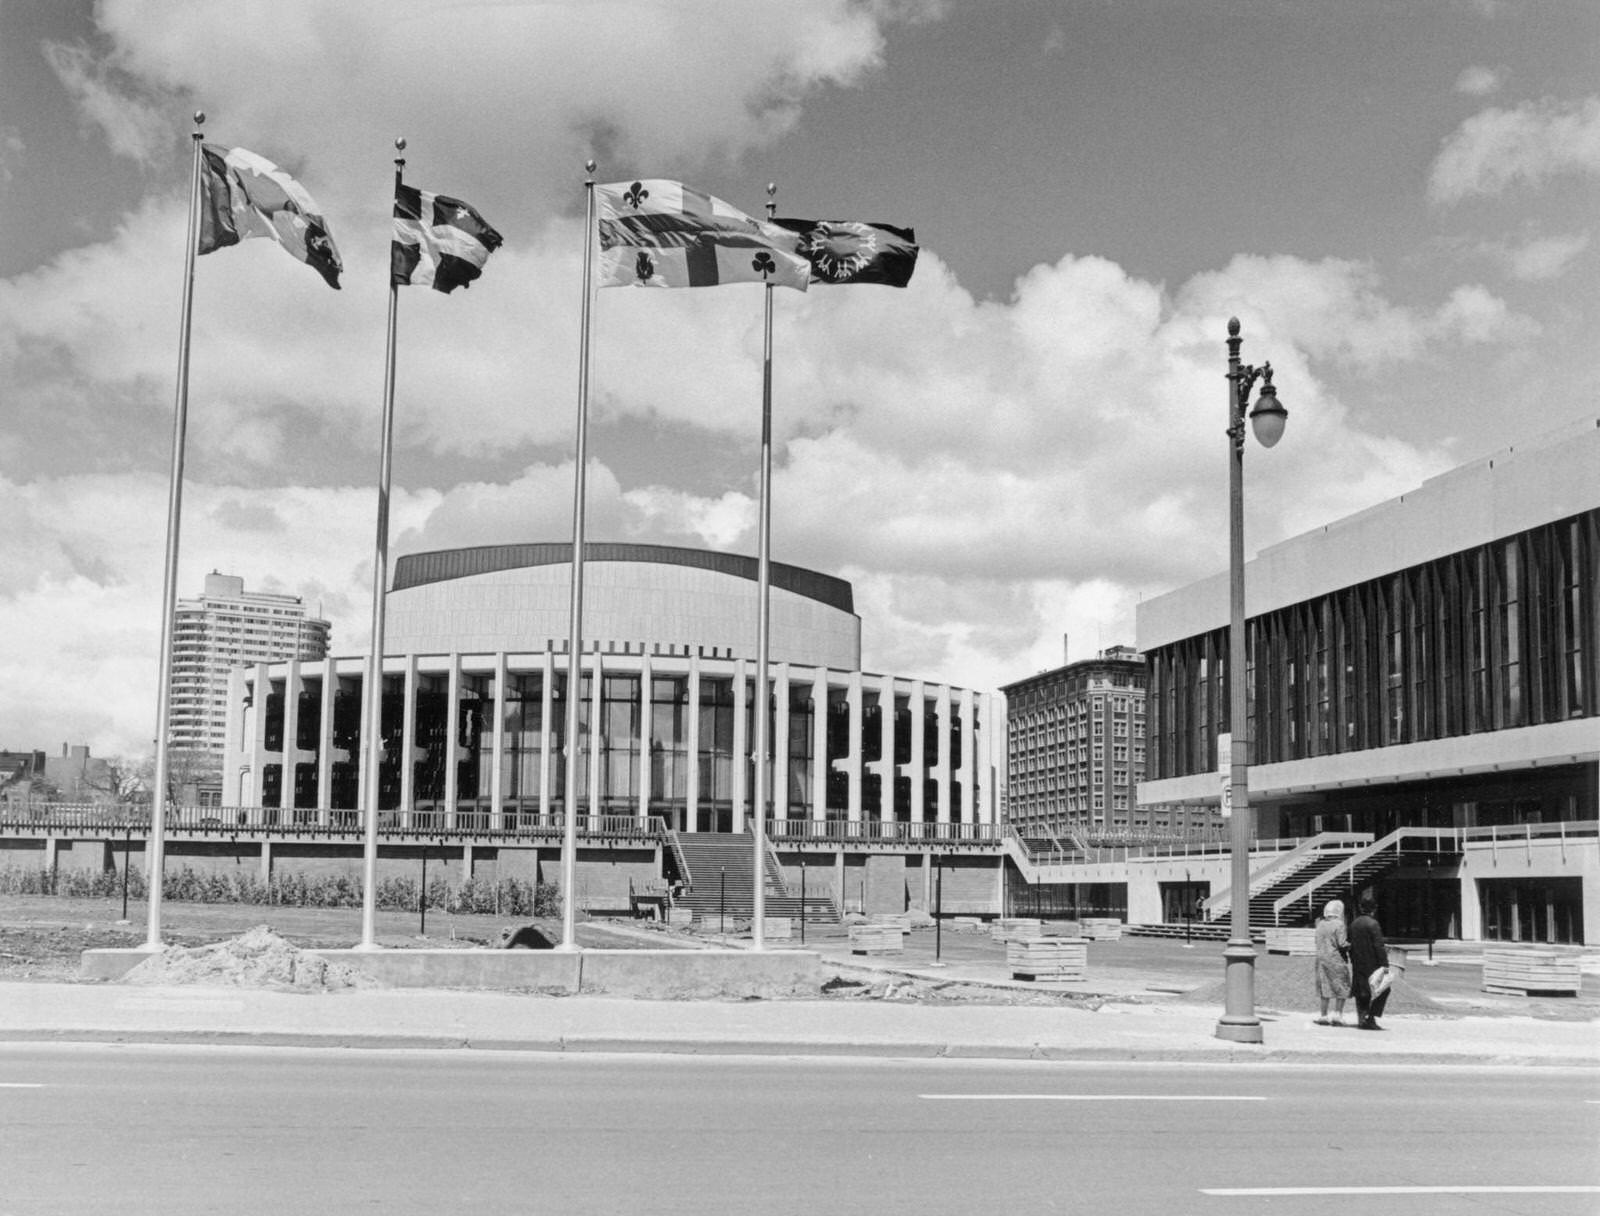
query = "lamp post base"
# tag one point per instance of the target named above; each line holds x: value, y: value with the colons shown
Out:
x: 1239, y: 1023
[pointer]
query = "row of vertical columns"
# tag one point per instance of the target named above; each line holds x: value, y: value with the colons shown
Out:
x: 247, y: 735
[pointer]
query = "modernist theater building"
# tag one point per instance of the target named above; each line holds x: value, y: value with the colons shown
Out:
x: 872, y: 770
x: 1424, y: 703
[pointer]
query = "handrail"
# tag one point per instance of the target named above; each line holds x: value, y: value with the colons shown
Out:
x: 829, y: 831
x: 772, y: 867
x: 1222, y: 901
x: 1391, y: 841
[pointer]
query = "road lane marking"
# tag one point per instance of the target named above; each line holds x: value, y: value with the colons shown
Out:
x: 1092, y: 1097
x: 21, y: 1084
x: 1401, y: 1190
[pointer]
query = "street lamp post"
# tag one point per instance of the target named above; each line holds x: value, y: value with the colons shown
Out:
x: 1239, y: 1023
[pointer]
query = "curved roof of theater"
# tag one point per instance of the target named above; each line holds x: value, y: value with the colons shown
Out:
x: 441, y: 565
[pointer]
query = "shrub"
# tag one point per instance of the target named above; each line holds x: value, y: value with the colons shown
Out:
x: 505, y: 897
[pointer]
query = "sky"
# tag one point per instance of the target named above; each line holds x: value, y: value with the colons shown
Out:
x: 1397, y: 200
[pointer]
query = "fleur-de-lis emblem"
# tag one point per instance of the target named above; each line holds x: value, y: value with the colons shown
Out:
x: 635, y: 194
x: 763, y: 264
x: 644, y: 267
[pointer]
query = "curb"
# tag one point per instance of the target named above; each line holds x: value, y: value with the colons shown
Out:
x: 602, y: 1045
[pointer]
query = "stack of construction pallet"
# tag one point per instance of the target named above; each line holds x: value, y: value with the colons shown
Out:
x: 1102, y: 928
x: 1530, y: 973
x: 1007, y: 928
x: 1047, y: 958
x: 877, y: 939
x: 1291, y: 941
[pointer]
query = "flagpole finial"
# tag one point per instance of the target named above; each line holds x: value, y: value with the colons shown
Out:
x: 199, y: 118
x: 399, y: 143
x: 589, y: 167
x: 772, y: 193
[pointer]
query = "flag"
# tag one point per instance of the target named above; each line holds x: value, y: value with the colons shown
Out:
x: 656, y: 233
x: 438, y: 241
x: 844, y: 251
x: 244, y: 195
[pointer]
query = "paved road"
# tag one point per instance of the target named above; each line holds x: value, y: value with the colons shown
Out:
x: 177, y: 1130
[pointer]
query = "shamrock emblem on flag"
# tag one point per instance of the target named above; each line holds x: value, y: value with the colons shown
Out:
x: 635, y: 195
x: 763, y: 264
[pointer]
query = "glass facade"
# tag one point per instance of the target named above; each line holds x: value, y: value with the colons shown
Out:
x: 1496, y: 637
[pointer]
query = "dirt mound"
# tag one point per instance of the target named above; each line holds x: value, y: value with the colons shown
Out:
x: 256, y: 959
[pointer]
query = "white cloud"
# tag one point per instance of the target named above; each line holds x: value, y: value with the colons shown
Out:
x: 80, y: 600
x: 132, y: 126
x: 1479, y: 81
x: 990, y: 474
x: 1528, y: 144
x: 1538, y: 259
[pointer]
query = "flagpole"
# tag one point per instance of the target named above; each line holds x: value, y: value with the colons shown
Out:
x: 155, y: 847
x: 758, y: 935
x: 569, y: 835
x: 372, y: 735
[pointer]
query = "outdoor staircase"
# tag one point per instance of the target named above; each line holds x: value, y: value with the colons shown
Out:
x: 716, y: 870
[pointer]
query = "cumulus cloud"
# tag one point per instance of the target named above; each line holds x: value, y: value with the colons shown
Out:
x: 132, y: 126
x: 1537, y: 259
x: 1479, y: 81
x: 989, y: 473
x: 1527, y: 145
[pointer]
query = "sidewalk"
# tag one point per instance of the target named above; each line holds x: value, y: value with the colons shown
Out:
x: 1111, y: 1027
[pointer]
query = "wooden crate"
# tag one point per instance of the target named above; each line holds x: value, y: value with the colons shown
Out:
x: 1047, y: 958
x: 877, y: 939
x: 1531, y: 973
x: 1006, y: 928
x: 1102, y: 928
x: 1291, y: 941
x: 777, y: 928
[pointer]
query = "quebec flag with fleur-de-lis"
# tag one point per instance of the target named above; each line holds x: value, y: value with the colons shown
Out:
x: 657, y: 233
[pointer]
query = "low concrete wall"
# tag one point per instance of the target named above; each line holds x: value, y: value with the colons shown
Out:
x: 659, y: 974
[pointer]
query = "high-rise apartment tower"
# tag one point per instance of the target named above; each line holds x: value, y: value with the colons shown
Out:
x: 230, y: 627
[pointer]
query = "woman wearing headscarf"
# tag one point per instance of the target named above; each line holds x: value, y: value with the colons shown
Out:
x: 1332, y: 969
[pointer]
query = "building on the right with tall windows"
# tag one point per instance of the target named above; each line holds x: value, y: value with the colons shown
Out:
x: 1424, y: 682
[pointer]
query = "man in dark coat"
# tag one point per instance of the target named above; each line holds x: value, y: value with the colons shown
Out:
x: 1367, y: 953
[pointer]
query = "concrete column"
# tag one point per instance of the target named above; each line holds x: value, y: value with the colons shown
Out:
x: 692, y: 814
x: 646, y: 674
x: 236, y: 755
x: 258, y: 732
x: 838, y: 879
x: 969, y: 768
x: 497, y: 764
x: 466, y: 862
x: 50, y: 855
x: 742, y: 744
x: 330, y: 685
x: 408, y: 747
x: 266, y: 863
x: 919, y: 719
x: 548, y: 760
x: 596, y: 726
x: 780, y: 743
x: 292, y: 687
x: 886, y: 770
x: 853, y: 754
x: 452, y: 750
x: 1471, y: 910
x: 941, y: 774
x: 819, y: 744
x: 371, y: 686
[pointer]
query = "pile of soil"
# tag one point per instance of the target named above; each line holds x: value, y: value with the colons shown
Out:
x: 256, y: 959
